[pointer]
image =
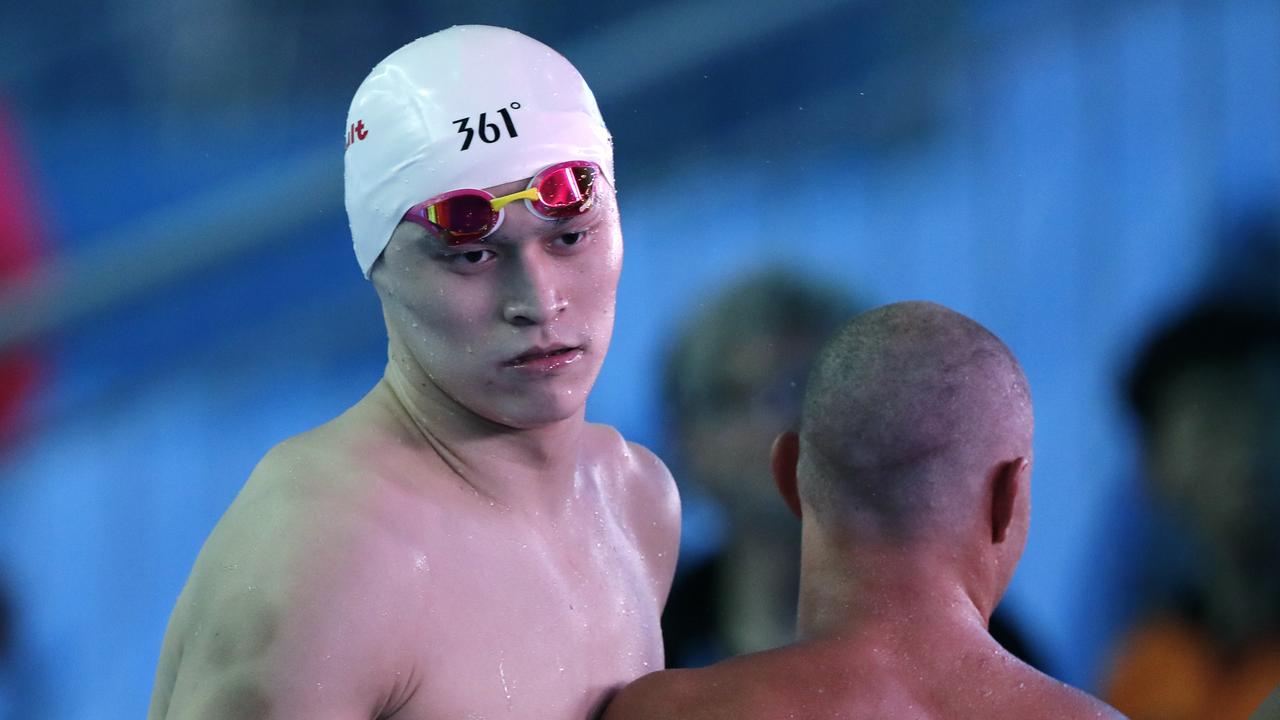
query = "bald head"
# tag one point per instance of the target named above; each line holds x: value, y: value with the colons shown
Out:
x: 910, y: 410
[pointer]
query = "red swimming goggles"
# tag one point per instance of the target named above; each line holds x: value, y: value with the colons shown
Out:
x: 556, y: 192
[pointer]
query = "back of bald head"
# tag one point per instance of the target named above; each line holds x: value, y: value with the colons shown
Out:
x: 910, y: 408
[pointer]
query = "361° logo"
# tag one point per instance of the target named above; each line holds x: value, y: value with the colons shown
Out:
x: 489, y: 132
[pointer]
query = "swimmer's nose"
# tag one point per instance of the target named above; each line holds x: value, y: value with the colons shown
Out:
x: 535, y: 296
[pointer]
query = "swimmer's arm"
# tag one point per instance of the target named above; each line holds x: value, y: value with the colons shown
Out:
x: 288, y: 616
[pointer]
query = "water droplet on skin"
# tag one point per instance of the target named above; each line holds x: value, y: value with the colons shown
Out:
x: 505, y: 689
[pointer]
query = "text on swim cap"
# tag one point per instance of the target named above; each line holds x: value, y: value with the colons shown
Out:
x: 489, y: 132
x: 356, y: 132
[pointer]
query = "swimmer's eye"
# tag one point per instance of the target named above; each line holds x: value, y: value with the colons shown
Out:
x: 470, y: 259
x: 568, y: 240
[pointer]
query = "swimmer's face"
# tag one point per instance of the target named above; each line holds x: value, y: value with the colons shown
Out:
x: 513, y: 328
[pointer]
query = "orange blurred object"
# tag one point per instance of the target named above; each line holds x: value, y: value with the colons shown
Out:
x: 1169, y: 670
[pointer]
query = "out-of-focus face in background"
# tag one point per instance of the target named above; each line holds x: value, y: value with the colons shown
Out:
x: 736, y: 380
x: 1214, y: 451
x: 1207, y: 391
x: 728, y: 437
x: 466, y: 314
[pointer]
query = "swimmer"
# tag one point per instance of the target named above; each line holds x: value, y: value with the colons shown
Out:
x: 461, y: 543
x: 911, y: 475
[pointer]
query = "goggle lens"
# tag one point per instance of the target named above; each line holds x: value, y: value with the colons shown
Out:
x: 565, y: 191
x: 465, y: 217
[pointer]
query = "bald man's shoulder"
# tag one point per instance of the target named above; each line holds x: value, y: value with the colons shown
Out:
x: 1036, y: 695
x: 794, y: 682
x: 702, y: 694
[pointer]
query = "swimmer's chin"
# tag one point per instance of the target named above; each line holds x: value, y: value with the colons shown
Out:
x: 541, y: 410
x: 522, y: 422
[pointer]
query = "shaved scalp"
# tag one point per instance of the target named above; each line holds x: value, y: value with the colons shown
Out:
x: 909, y: 409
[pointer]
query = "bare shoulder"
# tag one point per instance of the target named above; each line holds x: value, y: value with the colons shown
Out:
x: 641, y: 473
x: 662, y: 694
x: 644, y: 491
x: 1085, y: 706
x: 747, y: 686
x: 1041, y: 696
x: 286, y: 613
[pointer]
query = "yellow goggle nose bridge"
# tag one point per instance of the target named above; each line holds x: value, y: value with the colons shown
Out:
x: 500, y: 202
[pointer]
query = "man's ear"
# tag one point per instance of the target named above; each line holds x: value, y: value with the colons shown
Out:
x: 785, y: 456
x: 1011, y: 480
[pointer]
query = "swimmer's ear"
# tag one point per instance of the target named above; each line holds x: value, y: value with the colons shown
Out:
x: 1010, y: 481
x: 785, y: 457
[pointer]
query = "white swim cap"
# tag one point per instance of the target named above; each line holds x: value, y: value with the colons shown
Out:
x: 472, y: 106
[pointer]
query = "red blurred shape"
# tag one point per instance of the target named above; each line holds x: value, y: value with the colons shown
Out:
x: 20, y: 251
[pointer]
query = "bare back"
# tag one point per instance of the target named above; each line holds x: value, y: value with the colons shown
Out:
x: 356, y: 577
x: 859, y: 680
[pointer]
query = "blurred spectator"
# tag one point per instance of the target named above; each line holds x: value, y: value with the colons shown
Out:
x: 734, y: 379
x: 1206, y: 392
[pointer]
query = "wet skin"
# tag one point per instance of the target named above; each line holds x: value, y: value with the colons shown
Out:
x: 914, y: 404
x: 460, y: 543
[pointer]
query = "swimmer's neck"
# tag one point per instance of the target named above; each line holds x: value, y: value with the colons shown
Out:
x: 885, y: 594
x: 516, y: 468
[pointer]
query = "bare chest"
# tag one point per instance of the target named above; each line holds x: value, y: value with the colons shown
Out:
x: 516, y: 623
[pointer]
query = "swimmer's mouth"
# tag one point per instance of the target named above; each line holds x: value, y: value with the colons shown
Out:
x: 549, y: 354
